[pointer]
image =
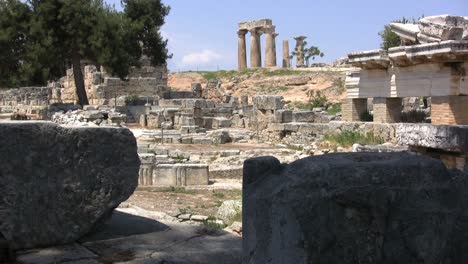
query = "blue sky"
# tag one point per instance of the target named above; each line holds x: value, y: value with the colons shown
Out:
x: 202, y: 33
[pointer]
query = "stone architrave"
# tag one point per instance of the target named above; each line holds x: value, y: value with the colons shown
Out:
x: 270, y: 60
x: 286, y: 61
x: 300, y: 51
x: 242, y: 49
x: 255, y: 48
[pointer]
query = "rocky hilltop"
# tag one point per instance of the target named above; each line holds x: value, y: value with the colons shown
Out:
x: 293, y: 84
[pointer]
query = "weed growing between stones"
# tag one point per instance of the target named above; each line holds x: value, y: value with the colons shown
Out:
x: 214, y: 223
x: 334, y: 109
x: 347, y: 138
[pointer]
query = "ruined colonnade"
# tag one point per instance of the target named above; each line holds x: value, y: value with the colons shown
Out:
x: 256, y: 29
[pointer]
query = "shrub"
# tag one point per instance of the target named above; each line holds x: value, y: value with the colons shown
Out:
x: 211, y: 222
x: 347, y: 138
x: 340, y: 85
x: 334, y: 109
x: 19, y: 116
x: 132, y: 100
x: 317, y: 99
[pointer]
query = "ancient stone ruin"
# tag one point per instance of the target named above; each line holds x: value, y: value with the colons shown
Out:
x: 431, y: 63
x: 354, y: 208
x: 256, y: 28
x: 59, y: 183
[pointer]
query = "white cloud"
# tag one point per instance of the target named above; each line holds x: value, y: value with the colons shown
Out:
x: 204, y: 58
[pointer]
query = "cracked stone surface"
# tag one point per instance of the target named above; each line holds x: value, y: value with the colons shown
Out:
x: 58, y: 183
x: 354, y: 208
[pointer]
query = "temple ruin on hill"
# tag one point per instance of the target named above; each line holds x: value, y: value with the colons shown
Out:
x: 265, y: 26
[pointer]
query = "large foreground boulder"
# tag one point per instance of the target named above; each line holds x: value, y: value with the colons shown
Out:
x: 354, y: 208
x: 57, y: 183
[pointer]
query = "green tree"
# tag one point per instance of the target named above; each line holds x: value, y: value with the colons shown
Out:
x: 391, y: 39
x: 63, y: 33
x: 309, y: 53
x: 14, y: 22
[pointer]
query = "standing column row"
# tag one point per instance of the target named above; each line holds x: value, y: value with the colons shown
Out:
x: 255, y: 47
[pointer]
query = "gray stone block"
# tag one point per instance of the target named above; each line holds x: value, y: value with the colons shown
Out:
x: 221, y: 122
x: 449, y: 138
x: 181, y: 174
x: 268, y: 102
x: 57, y: 182
x: 354, y: 208
x: 304, y: 116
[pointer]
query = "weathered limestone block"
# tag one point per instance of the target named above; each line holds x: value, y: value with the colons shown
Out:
x: 244, y: 100
x: 353, y: 208
x: 448, y: 138
x: 304, y: 116
x: 268, y: 102
x: 181, y: 175
x: 146, y: 169
x: 220, y: 137
x: 57, y: 182
x: 153, y: 120
x: 283, y: 116
x: 197, y: 90
x: 221, y: 122
x: 444, y: 27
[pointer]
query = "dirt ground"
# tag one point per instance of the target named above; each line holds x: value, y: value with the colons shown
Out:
x: 174, y: 201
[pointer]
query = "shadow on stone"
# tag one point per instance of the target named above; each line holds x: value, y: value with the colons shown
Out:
x: 123, y: 225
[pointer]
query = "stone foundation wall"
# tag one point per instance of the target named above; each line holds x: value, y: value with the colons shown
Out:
x: 32, y: 101
x: 33, y: 96
x: 306, y: 133
x: 103, y: 89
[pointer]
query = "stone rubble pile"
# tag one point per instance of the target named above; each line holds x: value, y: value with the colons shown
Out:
x: 90, y: 117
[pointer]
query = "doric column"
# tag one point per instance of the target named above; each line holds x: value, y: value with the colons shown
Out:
x: 270, y: 60
x: 286, y: 61
x: 242, y: 49
x: 274, y: 48
x: 255, y: 48
x: 300, y: 51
